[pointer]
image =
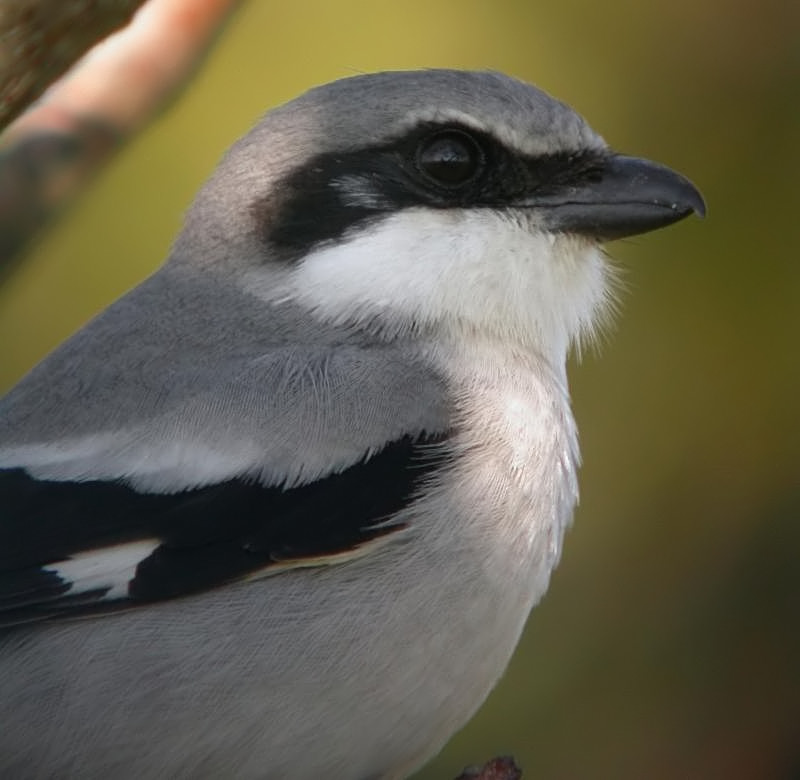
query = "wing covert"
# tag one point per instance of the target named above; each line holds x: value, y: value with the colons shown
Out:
x: 68, y: 547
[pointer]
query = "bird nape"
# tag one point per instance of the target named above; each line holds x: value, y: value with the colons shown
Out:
x: 304, y: 484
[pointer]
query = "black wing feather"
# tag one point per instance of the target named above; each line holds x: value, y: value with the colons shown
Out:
x: 207, y: 536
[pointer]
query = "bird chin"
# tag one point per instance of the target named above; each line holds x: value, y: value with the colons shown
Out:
x: 471, y: 273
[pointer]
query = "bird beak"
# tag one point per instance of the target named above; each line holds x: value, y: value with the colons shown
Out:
x: 622, y: 196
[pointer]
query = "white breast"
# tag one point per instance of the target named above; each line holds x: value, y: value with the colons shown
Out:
x: 516, y: 476
x: 494, y: 531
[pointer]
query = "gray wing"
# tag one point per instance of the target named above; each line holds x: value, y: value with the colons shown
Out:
x: 192, y: 435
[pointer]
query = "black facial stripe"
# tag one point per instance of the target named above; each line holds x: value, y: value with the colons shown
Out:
x: 209, y: 536
x: 334, y: 194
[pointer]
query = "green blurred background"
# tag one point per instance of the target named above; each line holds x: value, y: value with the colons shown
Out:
x: 669, y: 644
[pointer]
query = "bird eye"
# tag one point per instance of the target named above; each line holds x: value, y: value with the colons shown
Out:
x: 450, y: 157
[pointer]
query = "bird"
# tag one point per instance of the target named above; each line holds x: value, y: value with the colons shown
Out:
x: 283, y: 509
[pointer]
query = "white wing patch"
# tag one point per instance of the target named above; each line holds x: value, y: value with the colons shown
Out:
x: 107, y: 567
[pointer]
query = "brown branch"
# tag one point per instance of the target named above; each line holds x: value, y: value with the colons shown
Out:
x: 41, y: 39
x: 503, y: 768
x: 52, y: 150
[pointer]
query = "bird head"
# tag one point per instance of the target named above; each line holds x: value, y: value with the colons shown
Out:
x: 458, y: 204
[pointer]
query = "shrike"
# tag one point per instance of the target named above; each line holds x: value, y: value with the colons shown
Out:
x: 282, y: 510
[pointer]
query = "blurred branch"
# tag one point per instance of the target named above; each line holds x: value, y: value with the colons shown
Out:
x: 503, y: 768
x: 41, y: 39
x: 50, y: 152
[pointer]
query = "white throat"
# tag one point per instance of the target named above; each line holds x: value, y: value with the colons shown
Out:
x: 477, y: 272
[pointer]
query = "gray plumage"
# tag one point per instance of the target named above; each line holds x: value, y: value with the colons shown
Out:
x: 280, y: 353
